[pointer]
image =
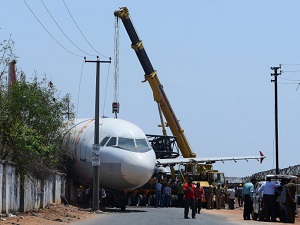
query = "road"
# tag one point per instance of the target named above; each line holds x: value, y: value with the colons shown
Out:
x: 165, y: 216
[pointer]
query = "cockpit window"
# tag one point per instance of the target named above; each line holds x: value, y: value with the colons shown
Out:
x: 129, y: 144
x: 112, y: 141
x: 141, y: 143
x: 104, y: 140
x: 126, y: 142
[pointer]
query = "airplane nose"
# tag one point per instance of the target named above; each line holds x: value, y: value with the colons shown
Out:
x: 137, y: 168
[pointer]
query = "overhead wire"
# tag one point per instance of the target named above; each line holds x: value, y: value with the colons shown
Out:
x: 289, y: 64
x: 49, y: 32
x: 82, y: 32
x: 288, y: 79
x: 78, y: 93
x: 289, y: 71
x: 63, y: 31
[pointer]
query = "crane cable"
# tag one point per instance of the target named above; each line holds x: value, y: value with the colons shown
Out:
x: 115, y: 104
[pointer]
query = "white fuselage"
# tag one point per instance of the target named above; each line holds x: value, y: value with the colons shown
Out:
x: 127, y: 160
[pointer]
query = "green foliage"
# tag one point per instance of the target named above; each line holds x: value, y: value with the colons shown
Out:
x: 32, y: 121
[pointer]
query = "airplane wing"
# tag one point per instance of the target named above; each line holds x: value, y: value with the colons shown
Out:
x: 168, y: 162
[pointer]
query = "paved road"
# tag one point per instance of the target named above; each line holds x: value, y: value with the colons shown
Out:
x: 163, y: 216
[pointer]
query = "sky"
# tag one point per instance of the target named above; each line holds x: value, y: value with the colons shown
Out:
x: 212, y: 57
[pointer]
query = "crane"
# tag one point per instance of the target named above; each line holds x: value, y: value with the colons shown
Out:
x: 158, y: 91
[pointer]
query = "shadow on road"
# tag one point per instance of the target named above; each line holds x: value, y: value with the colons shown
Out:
x: 116, y: 210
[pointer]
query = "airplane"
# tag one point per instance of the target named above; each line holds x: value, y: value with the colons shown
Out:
x: 127, y: 160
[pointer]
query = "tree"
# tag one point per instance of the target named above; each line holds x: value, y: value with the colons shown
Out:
x: 32, y: 121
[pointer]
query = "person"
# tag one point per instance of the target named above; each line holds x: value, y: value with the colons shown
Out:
x: 189, y: 194
x: 290, y: 201
x: 223, y: 197
x: 158, y: 197
x: 231, y: 197
x: 199, y: 193
x: 167, y: 194
x: 210, y: 197
x: 218, y: 197
x: 88, y: 197
x: 247, y: 193
x: 281, y: 199
x: 269, y: 199
x: 239, y: 195
x: 180, y: 194
x: 102, y: 195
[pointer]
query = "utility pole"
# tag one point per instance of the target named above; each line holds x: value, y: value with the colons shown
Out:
x: 96, y: 146
x: 275, y: 74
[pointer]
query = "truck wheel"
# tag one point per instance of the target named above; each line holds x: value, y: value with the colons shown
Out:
x: 141, y: 201
x: 151, y: 200
x: 148, y: 200
x: 134, y: 200
x: 172, y: 201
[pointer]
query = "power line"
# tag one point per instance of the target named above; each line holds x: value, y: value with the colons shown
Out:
x: 78, y: 94
x: 288, y: 79
x: 49, y: 32
x: 81, y: 31
x: 289, y: 71
x: 290, y: 64
x: 63, y: 31
x: 287, y: 83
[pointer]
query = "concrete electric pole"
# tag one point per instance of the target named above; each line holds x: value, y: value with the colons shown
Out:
x: 275, y: 74
x: 96, y: 146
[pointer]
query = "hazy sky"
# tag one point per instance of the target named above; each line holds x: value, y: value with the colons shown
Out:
x: 213, y: 58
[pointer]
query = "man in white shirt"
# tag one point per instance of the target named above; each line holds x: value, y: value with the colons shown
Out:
x: 269, y: 209
x: 231, y: 193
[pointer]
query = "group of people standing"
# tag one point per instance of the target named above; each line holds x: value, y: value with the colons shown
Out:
x: 162, y: 194
x: 191, y: 193
x: 282, y: 193
x: 217, y: 196
x: 278, y: 200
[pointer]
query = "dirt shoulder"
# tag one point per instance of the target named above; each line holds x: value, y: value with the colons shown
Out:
x: 51, y: 215
x: 239, y: 211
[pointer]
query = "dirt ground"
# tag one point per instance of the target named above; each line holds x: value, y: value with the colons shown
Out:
x: 239, y: 211
x: 51, y: 215
x: 62, y: 215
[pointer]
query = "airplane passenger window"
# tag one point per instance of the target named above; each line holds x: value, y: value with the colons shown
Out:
x: 104, y: 140
x: 126, y: 142
x: 112, y: 141
x: 141, y: 143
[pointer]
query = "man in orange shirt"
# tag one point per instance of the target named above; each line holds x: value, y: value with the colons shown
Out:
x: 189, y: 202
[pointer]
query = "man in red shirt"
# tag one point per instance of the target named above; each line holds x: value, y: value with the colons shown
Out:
x: 189, y: 202
x: 199, y: 192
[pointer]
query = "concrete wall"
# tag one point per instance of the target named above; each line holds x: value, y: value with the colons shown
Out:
x: 33, y: 194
